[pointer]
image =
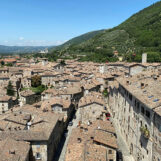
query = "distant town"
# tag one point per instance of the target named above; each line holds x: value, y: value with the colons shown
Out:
x: 79, y: 111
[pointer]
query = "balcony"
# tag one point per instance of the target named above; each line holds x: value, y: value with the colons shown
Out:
x: 145, y: 132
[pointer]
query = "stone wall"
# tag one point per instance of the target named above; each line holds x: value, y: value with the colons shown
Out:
x: 129, y: 119
x: 90, y: 112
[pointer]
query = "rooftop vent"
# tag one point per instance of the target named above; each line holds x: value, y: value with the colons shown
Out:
x: 127, y: 82
x: 142, y: 85
x: 144, y: 91
x: 156, y: 100
x: 27, y: 117
x: 150, y: 96
x: 92, y: 137
x: 155, y: 77
x: 79, y: 140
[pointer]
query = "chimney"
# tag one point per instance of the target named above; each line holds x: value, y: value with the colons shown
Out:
x: 79, y: 140
x: 142, y: 85
x: 127, y: 82
x: 144, y: 58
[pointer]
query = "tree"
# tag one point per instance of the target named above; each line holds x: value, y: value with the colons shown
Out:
x: 9, y: 64
x: 62, y: 63
x: 36, y: 81
x: 105, y: 93
x: 2, y: 63
x: 10, y: 90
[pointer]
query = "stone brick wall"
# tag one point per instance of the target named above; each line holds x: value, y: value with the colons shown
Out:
x: 90, y: 112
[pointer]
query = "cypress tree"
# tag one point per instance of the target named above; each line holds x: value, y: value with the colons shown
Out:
x: 10, y: 90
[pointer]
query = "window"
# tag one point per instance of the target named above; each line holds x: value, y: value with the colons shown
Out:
x: 148, y: 114
x: 156, y: 139
x: 159, y: 143
x: 138, y: 105
x: 141, y: 144
x: 160, y: 128
x: 141, y: 123
x: 38, y: 156
x: 130, y: 96
x: 135, y: 103
x: 110, y: 152
x: 142, y: 109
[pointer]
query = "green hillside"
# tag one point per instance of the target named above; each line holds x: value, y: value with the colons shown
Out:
x: 77, y: 40
x: 140, y: 33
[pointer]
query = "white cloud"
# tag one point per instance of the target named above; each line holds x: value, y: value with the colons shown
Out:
x: 5, y: 41
x: 21, y: 38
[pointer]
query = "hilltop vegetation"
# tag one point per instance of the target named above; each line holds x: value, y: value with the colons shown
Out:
x: 79, y: 39
x: 140, y: 33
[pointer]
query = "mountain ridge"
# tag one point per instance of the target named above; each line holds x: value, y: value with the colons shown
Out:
x: 139, y: 33
x: 21, y: 49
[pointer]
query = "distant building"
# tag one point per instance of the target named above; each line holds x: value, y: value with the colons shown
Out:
x: 136, y: 69
x: 9, y: 61
x: 28, y: 97
x: 5, y: 104
x: 144, y: 58
x: 44, y: 51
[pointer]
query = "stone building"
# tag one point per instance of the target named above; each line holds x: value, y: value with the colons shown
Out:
x: 28, y: 97
x: 94, y: 142
x: 132, y: 102
x: 157, y: 135
x: 4, y: 79
x: 5, y: 103
x: 49, y: 78
x: 91, y: 86
x: 4, y: 70
x: 70, y: 92
x: 136, y: 69
x: 26, y: 82
x: 60, y: 106
x: 43, y: 130
x: 12, y: 150
x: 91, y: 107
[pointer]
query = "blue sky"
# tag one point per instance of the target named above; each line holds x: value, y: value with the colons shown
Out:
x: 52, y: 22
